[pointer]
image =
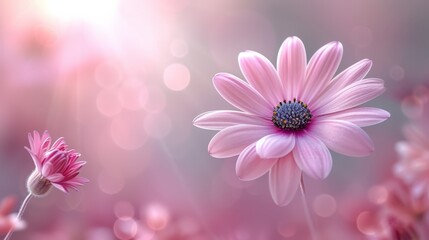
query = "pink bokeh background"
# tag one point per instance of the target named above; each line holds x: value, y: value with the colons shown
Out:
x: 122, y: 80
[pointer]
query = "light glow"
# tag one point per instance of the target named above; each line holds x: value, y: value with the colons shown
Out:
x: 97, y: 12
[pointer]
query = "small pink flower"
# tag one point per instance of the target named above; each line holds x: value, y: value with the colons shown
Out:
x: 55, y: 165
x: 290, y: 116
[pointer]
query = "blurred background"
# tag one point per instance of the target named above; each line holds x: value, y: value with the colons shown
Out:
x: 122, y: 80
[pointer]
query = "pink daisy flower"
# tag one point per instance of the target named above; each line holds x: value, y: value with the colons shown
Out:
x: 291, y: 116
x: 55, y: 165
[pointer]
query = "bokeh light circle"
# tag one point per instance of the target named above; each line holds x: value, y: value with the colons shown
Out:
x: 176, y: 77
x: 125, y: 228
x: 156, y: 216
x: 324, y: 205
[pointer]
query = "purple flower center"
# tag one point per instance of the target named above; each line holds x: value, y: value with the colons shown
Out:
x: 291, y: 115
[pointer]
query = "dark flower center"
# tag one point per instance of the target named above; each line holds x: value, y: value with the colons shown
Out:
x: 291, y: 115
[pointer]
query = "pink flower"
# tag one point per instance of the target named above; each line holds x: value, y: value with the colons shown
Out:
x: 290, y: 116
x: 413, y: 164
x: 55, y: 165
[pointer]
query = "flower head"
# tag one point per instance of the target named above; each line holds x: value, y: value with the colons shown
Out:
x: 292, y: 115
x: 56, y: 165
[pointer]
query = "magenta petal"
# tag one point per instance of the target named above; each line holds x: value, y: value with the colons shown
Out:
x: 250, y: 166
x: 291, y: 63
x: 351, y: 96
x: 362, y: 117
x: 320, y: 70
x: 241, y: 95
x: 218, y: 120
x: 284, y: 180
x: 261, y: 75
x: 232, y: 140
x: 275, y: 145
x: 343, y: 137
x: 312, y: 156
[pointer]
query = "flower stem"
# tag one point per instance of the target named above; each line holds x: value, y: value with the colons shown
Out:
x: 21, y: 211
x: 308, y: 217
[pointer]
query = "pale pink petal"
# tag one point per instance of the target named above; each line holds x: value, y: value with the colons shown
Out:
x: 343, y: 137
x: 36, y: 160
x: 312, y: 156
x: 291, y: 63
x: 362, y: 117
x: 77, y: 181
x: 320, y: 70
x: 261, y: 75
x: 284, y: 180
x: 241, y: 95
x: 232, y: 140
x: 352, y: 74
x: 56, y: 177
x: 218, y: 120
x: 352, y: 95
x: 47, y: 169
x: 250, y: 166
x: 60, y: 187
x: 275, y: 145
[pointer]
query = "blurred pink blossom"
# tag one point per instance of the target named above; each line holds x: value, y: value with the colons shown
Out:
x: 8, y: 220
x: 55, y: 165
x: 413, y: 164
x: 397, y: 217
x: 290, y: 116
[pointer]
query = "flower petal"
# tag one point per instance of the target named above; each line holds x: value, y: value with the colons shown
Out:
x: 312, y: 156
x: 343, y: 137
x: 56, y: 177
x: 241, y: 95
x: 352, y: 74
x: 284, y: 180
x: 250, y: 166
x: 276, y: 145
x: 362, y: 117
x: 60, y: 187
x: 291, y: 63
x: 351, y: 96
x: 218, y: 120
x: 232, y: 140
x: 320, y: 70
x: 261, y: 75
x: 47, y: 169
